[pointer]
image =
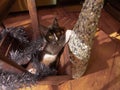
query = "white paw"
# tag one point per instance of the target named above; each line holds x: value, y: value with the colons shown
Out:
x: 67, y: 35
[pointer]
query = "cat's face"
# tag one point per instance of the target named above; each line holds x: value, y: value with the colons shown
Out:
x: 55, y: 37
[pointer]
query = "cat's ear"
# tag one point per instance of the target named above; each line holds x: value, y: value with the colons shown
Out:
x: 55, y: 23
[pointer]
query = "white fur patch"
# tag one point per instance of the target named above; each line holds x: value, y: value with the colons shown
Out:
x: 67, y: 35
x: 47, y: 59
x: 49, y: 56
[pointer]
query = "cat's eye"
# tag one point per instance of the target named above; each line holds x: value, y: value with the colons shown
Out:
x: 50, y: 37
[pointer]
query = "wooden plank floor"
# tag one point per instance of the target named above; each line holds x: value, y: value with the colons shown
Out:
x: 103, y: 72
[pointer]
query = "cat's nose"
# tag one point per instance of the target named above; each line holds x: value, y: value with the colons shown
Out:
x: 55, y: 43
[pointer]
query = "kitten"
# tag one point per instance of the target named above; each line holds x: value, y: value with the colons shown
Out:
x: 56, y: 41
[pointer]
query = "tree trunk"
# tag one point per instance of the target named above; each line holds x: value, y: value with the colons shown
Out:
x: 82, y: 37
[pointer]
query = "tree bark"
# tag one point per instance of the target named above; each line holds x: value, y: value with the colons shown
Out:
x: 82, y: 37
